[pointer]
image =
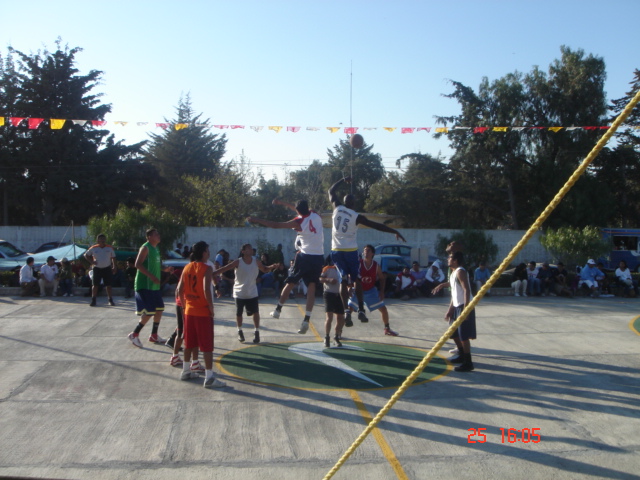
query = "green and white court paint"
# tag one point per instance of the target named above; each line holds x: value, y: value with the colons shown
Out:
x: 310, y: 365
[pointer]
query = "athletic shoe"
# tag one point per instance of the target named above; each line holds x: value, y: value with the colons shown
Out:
x: 175, y: 361
x: 362, y: 317
x: 155, y: 338
x: 65, y: 295
x: 170, y: 342
x: 197, y: 367
x: 71, y: 294
x: 135, y: 339
x: 213, y: 382
x: 111, y: 302
x: 524, y: 294
x: 92, y: 304
x: 327, y: 341
x: 256, y: 337
x: 240, y: 336
x: 304, y: 326
x: 388, y: 331
x: 516, y: 294
x: 454, y: 351
x: 275, y: 314
x: 188, y: 375
x: 456, y: 359
x: 336, y: 340
x: 347, y: 320
x: 465, y: 367
x: 405, y: 297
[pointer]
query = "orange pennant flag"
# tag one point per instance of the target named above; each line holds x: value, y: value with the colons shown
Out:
x: 442, y: 130
x: 56, y: 123
x: 180, y: 126
x: 389, y: 129
x: 333, y: 129
x: 555, y: 129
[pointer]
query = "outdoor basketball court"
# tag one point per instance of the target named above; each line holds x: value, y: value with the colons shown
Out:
x: 77, y: 400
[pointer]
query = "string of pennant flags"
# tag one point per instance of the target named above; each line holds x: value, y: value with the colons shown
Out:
x: 58, y: 123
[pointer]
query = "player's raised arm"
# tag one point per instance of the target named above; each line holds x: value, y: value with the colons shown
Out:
x: 271, y: 224
x: 333, y: 197
x: 362, y: 220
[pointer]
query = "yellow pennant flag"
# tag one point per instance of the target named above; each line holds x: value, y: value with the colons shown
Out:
x: 180, y: 126
x: 333, y: 129
x: 121, y: 123
x: 56, y: 123
x: 500, y: 129
x: 555, y: 129
x: 1, y: 121
x: 275, y: 129
x: 442, y: 130
x: 389, y: 129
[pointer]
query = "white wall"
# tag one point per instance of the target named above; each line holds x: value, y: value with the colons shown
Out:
x: 231, y: 239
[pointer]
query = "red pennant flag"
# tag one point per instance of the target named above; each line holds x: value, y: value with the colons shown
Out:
x: 480, y: 129
x: 293, y: 129
x: 351, y: 130
x: 98, y: 123
x: 407, y: 130
x: 590, y: 128
x: 426, y: 129
x: 221, y: 126
x: 35, y: 123
x: 162, y: 125
x: 15, y: 121
x: 605, y: 128
x: 233, y: 127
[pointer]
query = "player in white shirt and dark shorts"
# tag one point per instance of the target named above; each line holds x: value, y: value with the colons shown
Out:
x: 344, y: 246
x: 309, y: 259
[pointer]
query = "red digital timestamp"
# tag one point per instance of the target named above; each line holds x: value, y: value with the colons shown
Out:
x: 510, y: 435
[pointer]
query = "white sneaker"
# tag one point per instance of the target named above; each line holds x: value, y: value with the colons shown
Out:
x: 188, y: 375
x: 213, y: 382
x: 516, y: 294
x: 524, y: 294
x: 135, y: 339
x: 304, y: 326
x: 275, y: 314
x: 454, y: 351
x: 65, y: 295
x: 71, y: 294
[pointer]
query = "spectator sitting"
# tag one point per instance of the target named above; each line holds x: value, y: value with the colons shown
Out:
x: 481, y: 276
x: 264, y: 280
x: 186, y: 251
x: 28, y: 281
x: 561, y: 284
x: 49, y: 277
x: 625, y: 280
x: 520, y: 275
x: 278, y: 256
x: 420, y: 277
x: 547, y: 280
x: 434, y: 277
x: 178, y: 249
x: 533, y: 282
x: 66, y: 278
x: 405, y: 285
x: 589, y: 276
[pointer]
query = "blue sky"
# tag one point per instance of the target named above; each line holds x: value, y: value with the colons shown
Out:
x: 288, y: 63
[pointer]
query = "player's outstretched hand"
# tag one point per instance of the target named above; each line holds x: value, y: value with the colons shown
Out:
x: 400, y: 237
x: 275, y: 201
x: 348, y: 179
x: 249, y: 219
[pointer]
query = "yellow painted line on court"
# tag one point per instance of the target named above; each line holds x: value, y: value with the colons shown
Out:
x: 632, y: 324
x: 387, y: 451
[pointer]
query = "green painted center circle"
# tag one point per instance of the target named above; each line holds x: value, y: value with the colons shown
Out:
x: 307, y: 365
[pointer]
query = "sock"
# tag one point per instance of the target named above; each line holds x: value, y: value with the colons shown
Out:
x: 208, y: 374
x: 195, y: 362
x: 386, y: 325
x: 257, y: 329
x: 186, y: 367
x: 239, y: 330
x: 154, y: 330
x: 139, y: 328
x: 306, y: 318
x: 347, y: 311
x: 279, y: 306
x: 307, y: 314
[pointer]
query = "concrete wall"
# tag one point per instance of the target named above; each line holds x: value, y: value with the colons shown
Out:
x: 231, y: 239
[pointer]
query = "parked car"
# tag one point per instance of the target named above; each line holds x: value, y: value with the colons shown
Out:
x: 49, y: 246
x: 175, y: 260
x: 407, y: 252
x: 11, y: 257
x: 391, y: 266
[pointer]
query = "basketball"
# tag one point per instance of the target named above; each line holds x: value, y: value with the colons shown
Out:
x: 356, y: 140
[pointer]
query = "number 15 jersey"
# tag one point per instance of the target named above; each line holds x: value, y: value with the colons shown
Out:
x: 344, y: 229
x: 311, y: 234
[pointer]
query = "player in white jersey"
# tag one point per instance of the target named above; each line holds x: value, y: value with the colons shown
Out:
x: 344, y: 246
x: 460, y: 297
x: 245, y: 288
x: 309, y: 259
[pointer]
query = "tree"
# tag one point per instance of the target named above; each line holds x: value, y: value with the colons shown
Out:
x: 574, y: 245
x: 478, y: 246
x: 65, y: 174
x: 185, y: 149
x: 127, y: 227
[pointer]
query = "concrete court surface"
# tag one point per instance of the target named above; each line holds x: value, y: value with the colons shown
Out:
x: 78, y: 401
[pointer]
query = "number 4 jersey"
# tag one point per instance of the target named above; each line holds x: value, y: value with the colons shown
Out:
x: 311, y: 234
x: 344, y: 230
